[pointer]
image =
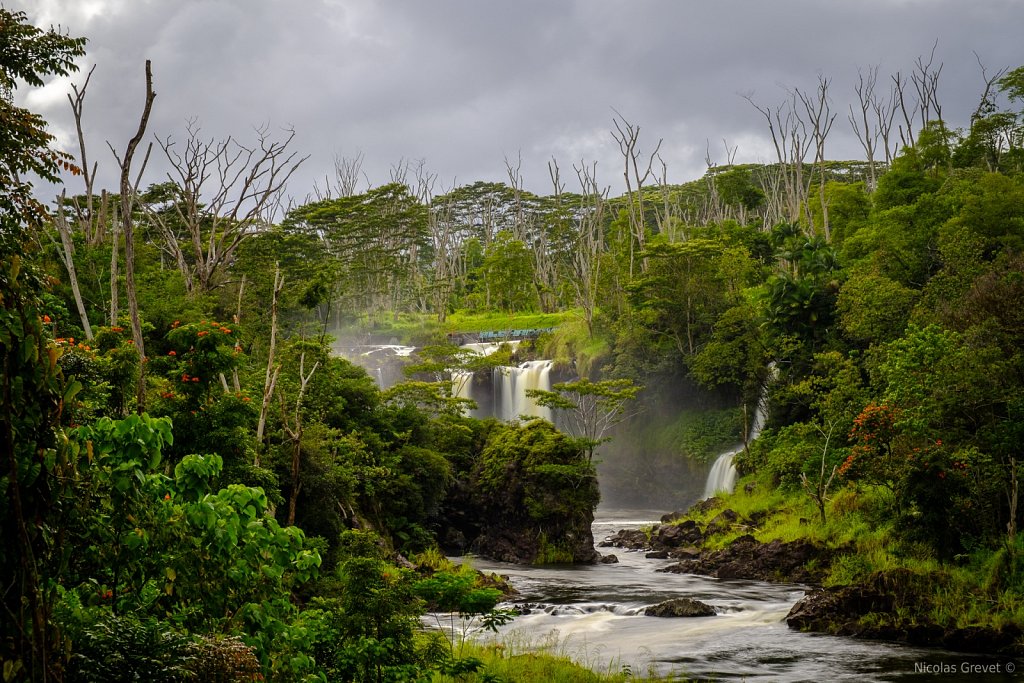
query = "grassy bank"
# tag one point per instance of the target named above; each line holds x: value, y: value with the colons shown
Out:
x: 514, y: 662
x: 982, y: 588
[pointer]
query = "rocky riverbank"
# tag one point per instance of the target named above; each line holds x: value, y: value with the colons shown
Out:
x: 891, y: 606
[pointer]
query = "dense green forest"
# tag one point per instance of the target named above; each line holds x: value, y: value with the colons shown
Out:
x: 196, y: 487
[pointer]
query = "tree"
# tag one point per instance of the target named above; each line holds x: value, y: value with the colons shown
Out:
x: 32, y: 389
x: 507, y: 274
x: 29, y: 54
x: 224, y: 191
x: 590, y: 408
x: 635, y: 173
x: 128, y: 228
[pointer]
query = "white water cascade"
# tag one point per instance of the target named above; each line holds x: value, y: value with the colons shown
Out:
x: 514, y: 383
x: 508, y: 386
x: 722, y: 476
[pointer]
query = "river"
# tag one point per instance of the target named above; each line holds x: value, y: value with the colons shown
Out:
x: 594, y: 614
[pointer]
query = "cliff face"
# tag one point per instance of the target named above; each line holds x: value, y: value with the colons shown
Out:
x: 529, y: 498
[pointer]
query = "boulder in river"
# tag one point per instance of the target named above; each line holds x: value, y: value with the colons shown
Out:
x: 747, y: 558
x: 680, y: 607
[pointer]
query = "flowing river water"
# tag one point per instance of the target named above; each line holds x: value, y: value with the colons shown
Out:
x: 594, y: 615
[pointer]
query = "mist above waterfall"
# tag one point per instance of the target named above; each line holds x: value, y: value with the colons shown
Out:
x: 647, y: 464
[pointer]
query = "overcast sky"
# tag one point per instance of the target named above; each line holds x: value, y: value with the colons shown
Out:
x: 465, y: 84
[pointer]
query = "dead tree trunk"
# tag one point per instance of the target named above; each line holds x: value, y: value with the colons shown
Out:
x: 127, y: 226
x: 820, y: 118
x: 294, y: 429
x: 272, y: 371
x: 67, y: 255
x: 627, y: 136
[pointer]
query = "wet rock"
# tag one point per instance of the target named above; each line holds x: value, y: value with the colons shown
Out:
x: 897, y: 602
x: 673, y: 516
x: 668, y: 536
x: 706, y: 505
x: 609, y: 559
x: 722, y: 522
x: 657, y: 555
x: 685, y: 553
x: 631, y: 539
x: 746, y: 558
x: 680, y: 607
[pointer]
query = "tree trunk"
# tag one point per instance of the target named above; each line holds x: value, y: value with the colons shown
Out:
x: 127, y: 197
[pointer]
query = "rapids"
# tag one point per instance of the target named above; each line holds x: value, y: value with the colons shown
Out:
x: 594, y: 615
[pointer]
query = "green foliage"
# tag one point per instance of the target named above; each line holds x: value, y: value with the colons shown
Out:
x: 590, y: 408
x: 29, y: 54
x: 127, y: 648
x: 873, y: 308
x: 537, y: 469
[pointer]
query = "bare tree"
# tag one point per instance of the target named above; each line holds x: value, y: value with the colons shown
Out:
x: 128, y: 228
x: 67, y: 256
x: 820, y: 118
x: 293, y: 425
x: 818, y: 490
x: 627, y: 136
x: 789, y: 138
x: 226, y: 191
x: 925, y: 79
x: 866, y: 128
x: 885, y: 115
x: 586, y: 265
x: 272, y: 370
x: 347, y: 173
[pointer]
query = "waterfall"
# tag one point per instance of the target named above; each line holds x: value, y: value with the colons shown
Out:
x: 722, y: 476
x: 383, y: 362
x: 513, y: 383
x: 508, y: 386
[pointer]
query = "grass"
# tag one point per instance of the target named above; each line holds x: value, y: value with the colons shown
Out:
x: 461, y: 321
x: 418, y: 328
x: 519, y: 661
x: 985, y: 588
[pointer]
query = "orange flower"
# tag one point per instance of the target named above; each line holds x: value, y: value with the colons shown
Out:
x: 172, y: 352
x: 46, y: 318
x: 195, y: 379
x: 167, y: 496
x: 202, y: 334
x: 246, y: 399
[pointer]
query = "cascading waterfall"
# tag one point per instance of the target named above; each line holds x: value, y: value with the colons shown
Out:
x: 723, y: 475
x: 383, y: 362
x: 509, y: 385
x: 515, y: 382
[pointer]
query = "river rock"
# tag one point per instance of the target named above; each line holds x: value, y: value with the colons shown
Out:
x: 673, y: 516
x: 668, y: 536
x: 609, y: 559
x: 631, y: 539
x: 722, y: 522
x: 898, y: 603
x: 657, y: 555
x: 688, y: 552
x: 680, y: 607
x: 747, y: 558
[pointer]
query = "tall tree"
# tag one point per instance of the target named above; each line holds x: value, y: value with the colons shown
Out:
x: 31, y: 388
x: 128, y: 228
x: 224, y: 192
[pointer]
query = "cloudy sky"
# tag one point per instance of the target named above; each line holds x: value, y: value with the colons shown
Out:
x: 464, y: 84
